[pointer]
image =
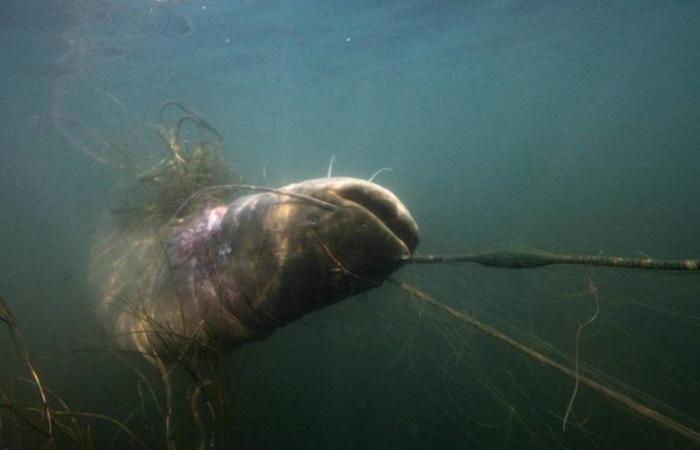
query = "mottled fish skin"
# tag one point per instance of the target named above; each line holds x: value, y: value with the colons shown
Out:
x: 181, y: 247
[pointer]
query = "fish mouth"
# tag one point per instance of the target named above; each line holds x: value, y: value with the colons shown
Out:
x: 387, y: 209
x: 375, y: 200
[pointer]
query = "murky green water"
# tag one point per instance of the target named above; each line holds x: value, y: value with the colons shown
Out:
x: 568, y: 127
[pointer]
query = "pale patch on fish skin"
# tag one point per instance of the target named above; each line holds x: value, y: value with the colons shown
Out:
x: 183, y: 245
x: 214, y: 218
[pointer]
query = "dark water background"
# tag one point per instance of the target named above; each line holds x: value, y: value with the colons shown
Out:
x: 570, y: 126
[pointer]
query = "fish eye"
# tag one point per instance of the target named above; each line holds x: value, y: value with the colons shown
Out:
x: 313, y: 220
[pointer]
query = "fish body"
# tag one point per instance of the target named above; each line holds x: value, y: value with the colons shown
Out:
x: 231, y: 273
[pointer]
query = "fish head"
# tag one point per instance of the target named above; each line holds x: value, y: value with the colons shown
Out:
x: 293, y: 250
